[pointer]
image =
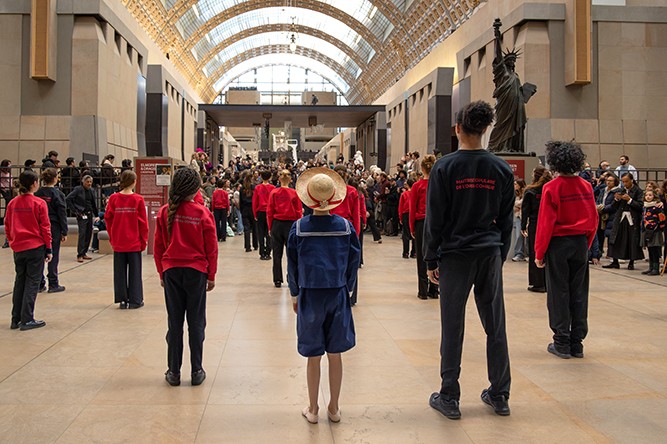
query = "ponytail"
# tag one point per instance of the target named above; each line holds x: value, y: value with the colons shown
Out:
x: 185, y: 184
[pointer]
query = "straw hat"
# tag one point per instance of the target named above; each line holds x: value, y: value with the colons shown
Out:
x: 321, y: 189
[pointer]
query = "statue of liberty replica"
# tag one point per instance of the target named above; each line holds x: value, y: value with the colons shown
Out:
x: 511, y: 97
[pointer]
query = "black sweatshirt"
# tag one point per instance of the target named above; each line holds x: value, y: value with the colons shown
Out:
x: 530, y: 207
x: 469, y: 205
x: 55, y: 201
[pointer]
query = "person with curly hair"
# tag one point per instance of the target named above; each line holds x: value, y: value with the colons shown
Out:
x: 566, y: 229
x: 186, y: 257
x: 467, y: 236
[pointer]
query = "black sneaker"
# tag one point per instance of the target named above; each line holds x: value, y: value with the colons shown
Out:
x: 32, y: 325
x: 500, y: 405
x: 421, y: 296
x: 56, y: 289
x: 135, y: 306
x: 174, y: 379
x: 537, y: 289
x: 577, y: 350
x: 42, y: 289
x: 122, y: 305
x: 448, y: 407
x: 14, y: 325
x: 612, y: 265
x: 432, y: 296
x: 198, y: 377
x: 551, y: 348
x: 278, y: 284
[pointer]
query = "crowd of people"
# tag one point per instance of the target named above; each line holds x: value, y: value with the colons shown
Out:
x: 457, y: 216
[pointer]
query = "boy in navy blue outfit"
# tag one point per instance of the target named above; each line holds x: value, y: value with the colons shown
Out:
x: 323, y: 259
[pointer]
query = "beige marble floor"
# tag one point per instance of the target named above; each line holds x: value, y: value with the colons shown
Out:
x: 94, y: 374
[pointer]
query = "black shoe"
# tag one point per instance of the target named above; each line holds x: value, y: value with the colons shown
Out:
x: 122, y: 305
x: 413, y: 255
x: 537, y: 289
x: 421, y: 296
x: 32, y: 325
x: 278, y: 284
x: 551, y: 348
x: 56, y: 289
x: 5, y: 245
x: 173, y: 379
x: 405, y: 256
x: 135, y: 306
x: 198, y: 377
x: 631, y: 265
x: 43, y: 289
x: 449, y: 408
x: 432, y: 296
x: 500, y: 405
x: 612, y: 265
x: 248, y: 250
x: 14, y: 325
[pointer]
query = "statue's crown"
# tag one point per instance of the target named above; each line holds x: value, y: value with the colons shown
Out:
x: 511, y: 55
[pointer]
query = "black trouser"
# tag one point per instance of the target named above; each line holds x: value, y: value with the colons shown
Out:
x: 29, y: 267
x: 52, y: 267
x: 654, y: 255
x: 249, y: 228
x: 536, y: 276
x: 361, y: 246
x: 85, y: 234
x: 601, y: 241
x: 567, y: 291
x: 127, y: 280
x: 185, y: 297
x: 407, y: 237
x: 392, y: 215
x: 425, y: 287
x: 374, y: 228
x: 220, y: 216
x: 459, y: 272
x: 279, y: 233
x: 263, y: 234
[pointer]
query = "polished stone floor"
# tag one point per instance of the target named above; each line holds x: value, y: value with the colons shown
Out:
x: 95, y: 373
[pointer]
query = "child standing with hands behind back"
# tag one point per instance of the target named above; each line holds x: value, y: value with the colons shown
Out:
x: 186, y: 256
x: 323, y: 259
x: 29, y: 234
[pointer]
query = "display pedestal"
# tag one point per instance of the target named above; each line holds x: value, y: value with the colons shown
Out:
x: 521, y: 163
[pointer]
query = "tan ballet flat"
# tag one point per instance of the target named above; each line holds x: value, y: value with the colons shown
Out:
x: 310, y: 417
x: 334, y: 417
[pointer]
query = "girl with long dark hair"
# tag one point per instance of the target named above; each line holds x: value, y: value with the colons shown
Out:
x: 530, y: 209
x: 249, y: 226
x: 186, y: 257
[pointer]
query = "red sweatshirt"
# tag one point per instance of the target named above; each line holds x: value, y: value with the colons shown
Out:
x: 567, y: 209
x: 127, y: 222
x: 349, y: 209
x: 284, y: 204
x: 220, y: 200
x: 417, y: 204
x: 199, y: 198
x: 27, y: 224
x: 404, y: 204
x: 194, y: 243
x: 260, y: 197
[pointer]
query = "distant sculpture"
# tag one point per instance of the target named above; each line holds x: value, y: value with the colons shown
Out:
x: 511, y: 98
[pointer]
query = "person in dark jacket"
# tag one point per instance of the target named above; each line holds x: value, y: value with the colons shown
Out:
x: 69, y: 176
x: 606, y: 209
x: 392, y: 208
x: 51, y: 160
x: 81, y: 201
x: 55, y: 201
x: 530, y: 209
x: 624, y: 242
x: 467, y: 236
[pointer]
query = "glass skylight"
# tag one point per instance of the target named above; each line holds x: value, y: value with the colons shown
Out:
x: 282, y: 38
x: 282, y: 59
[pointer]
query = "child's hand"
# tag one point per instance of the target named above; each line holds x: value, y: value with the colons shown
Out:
x: 295, y: 307
x: 48, y: 258
x: 210, y: 285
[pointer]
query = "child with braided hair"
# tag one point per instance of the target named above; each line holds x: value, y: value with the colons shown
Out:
x: 186, y: 257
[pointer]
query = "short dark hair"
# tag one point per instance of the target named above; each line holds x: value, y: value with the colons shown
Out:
x: 625, y: 157
x: 53, y: 153
x: 564, y: 157
x: 475, y: 118
x: 69, y: 161
x: 266, y: 175
x: 49, y: 175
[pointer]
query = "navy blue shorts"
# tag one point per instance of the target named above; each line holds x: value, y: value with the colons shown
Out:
x: 324, y: 321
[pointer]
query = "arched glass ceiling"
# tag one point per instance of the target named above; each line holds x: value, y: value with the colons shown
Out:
x: 362, y: 10
x: 269, y: 16
x: 282, y: 38
x: 282, y: 59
